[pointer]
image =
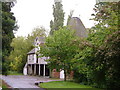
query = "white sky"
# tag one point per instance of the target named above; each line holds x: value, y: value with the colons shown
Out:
x: 33, y: 13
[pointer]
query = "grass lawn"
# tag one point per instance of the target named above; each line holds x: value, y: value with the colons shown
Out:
x: 63, y: 84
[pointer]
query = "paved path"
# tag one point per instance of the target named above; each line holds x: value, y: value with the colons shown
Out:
x: 21, y: 81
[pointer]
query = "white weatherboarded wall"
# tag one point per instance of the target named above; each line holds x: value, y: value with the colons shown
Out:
x: 25, y: 69
x: 62, y: 74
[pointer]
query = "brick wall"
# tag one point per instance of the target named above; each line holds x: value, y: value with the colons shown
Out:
x: 55, y: 74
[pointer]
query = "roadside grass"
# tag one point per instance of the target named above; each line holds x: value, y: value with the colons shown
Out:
x: 63, y: 84
x: 14, y: 73
x: 0, y: 83
x: 4, y: 85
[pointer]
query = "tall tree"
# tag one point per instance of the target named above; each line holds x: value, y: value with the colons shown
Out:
x: 61, y: 49
x: 58, y: 15
x: 8, y: 26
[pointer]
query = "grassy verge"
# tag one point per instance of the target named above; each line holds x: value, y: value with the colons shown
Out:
x: 14, y: 73
x: 5, y: 85
x: 63, y: 84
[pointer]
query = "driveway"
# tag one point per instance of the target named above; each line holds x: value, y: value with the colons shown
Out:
x: 21, y: 81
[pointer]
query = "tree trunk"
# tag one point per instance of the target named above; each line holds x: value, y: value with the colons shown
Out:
x: 65, y: 75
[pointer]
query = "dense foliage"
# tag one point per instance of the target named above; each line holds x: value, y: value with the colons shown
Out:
x: 18, y: 55
x: 98, y: 60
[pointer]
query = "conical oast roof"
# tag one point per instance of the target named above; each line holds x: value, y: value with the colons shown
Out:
x: 76, y: 24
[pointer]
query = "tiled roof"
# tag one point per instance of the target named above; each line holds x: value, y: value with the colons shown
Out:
x: 76, y: 24
x: 32, y: 51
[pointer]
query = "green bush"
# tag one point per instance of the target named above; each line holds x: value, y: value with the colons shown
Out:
x: 79, y: 77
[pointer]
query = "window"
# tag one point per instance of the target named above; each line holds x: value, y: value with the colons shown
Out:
x: 31, y: 57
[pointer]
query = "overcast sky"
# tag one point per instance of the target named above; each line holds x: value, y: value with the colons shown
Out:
x: 33, y: 13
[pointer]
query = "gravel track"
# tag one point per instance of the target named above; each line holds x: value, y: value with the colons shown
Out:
x: 21, y: 81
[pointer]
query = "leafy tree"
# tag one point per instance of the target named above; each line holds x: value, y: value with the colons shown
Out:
x: 18, y: 56
x: 106, y: 15
x: 61, y: 49
x: 58, y: 15
x: 105, y: 63
x: 8, y: 26
x: 37, y: 32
